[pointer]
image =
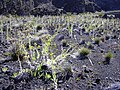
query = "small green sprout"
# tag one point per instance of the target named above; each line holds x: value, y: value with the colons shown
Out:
x: 90, y: 46
x: 4, y: 69
x: 47, y: 76
x: 15, y: 74
x: 108, y: 56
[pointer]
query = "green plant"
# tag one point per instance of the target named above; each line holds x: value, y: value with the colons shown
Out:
x: 101, y: 14
x: 4, y: 69
x: 84, y: 51
x: 97, y: 40
x: 19, y: 50
x: 70, y: 28
x: 15, y: 74
x: 108, y: 57
x: 90, y: 46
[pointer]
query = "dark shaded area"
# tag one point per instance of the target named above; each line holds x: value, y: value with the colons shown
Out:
x: 77, y: 6
x: 27, y: 7
x: 54, y: 7
x: 70, y: 5
x: 108, y: 5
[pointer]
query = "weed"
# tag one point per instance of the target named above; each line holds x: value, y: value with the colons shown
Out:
x: 97, y: 41
x: 101, y: 14
x: 108, y: 57
x: 4, y: 69
x: 84, y: 51
x: 90, y: 46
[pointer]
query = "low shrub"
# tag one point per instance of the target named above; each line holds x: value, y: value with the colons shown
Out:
x: 84, y: 51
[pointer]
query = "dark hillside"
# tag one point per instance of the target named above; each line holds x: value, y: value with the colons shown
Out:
x: 51, y: 7
x: 108, y: 5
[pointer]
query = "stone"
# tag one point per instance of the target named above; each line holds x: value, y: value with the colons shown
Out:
x: 115, y: 86
x: 60, y: 37
x: 23, y: 76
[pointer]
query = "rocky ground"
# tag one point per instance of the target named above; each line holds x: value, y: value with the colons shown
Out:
x: 67, y: 52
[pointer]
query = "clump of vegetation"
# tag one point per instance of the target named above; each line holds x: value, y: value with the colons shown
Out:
x: 108, y: 57
x: 101, y: 14
x: 97, y: 40
x: 19, y: 51
x: 90, y: 46
x: 84, y: 52
x: 43, y: 72
x: 4, y: 69
x: 64, y: 75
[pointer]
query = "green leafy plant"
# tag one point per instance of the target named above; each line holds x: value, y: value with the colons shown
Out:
x: 48, y: 76
x: 4, y: 69
x: 15, y: 74
x: 20, y: 51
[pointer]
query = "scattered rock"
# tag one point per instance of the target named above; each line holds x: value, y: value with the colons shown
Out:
x: 86, y: 69
x: 82, y: 42
x: 60, y: 37
x: 23, y: 76
x: 115, y: 86
x: 64, y: 75
x: 97, y: 81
